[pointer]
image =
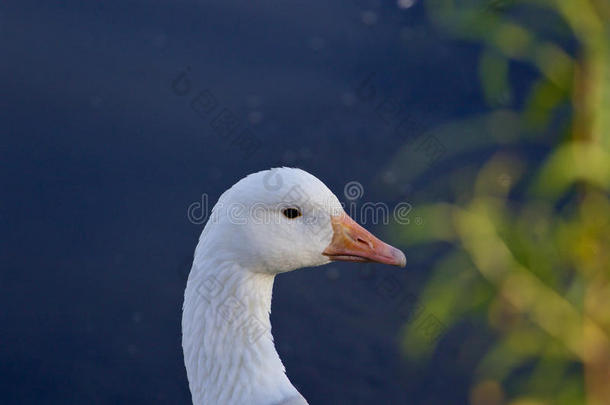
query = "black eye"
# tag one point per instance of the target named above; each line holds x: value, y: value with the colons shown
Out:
x: 291, y: 212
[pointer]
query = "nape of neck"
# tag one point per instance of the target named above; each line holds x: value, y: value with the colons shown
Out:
x: 228, y: 347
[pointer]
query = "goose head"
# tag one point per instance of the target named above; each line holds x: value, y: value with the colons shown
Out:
x: 268, y: 223
x: 284, y: 219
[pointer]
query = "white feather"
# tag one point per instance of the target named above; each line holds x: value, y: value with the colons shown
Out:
x: 228, y: 347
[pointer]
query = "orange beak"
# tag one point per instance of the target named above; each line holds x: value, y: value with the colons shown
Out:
x: 353, y: 243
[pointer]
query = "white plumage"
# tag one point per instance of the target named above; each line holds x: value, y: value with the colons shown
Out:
x: 228, y: 347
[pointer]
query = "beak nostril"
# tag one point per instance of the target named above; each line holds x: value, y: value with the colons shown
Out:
x: 365, y: 242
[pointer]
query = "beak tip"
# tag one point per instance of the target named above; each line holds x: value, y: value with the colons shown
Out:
x: 402, y: 259
x: 398, y: 257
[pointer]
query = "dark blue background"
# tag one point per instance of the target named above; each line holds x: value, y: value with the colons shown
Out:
x: 100, y: 159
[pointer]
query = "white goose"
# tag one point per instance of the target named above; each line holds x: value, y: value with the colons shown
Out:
x: 268, y: 223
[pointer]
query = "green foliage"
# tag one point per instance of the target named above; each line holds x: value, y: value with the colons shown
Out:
x: 530, y: 239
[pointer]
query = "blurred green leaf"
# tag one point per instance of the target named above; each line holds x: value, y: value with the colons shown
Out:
x: 528, y: 237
